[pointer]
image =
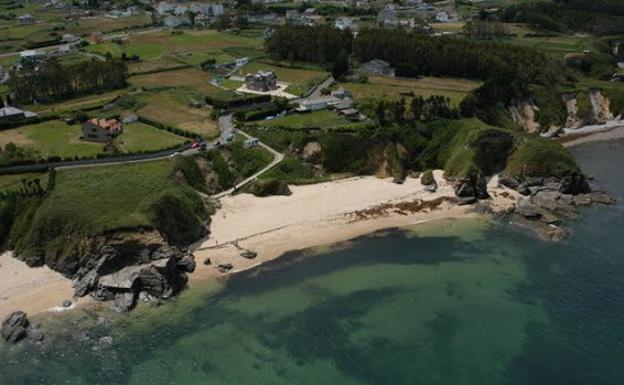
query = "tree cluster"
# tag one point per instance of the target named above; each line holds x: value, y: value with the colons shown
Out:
x: 310, y: 44
x: 507, y: 69
x: 417, y: 109
x: 596, y: 16
x: 52, y: 81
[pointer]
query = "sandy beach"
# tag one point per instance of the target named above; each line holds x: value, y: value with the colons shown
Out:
x: 319, y: 215
x: 606, y: 133
x: 32, y: 290
x: 314, y: 215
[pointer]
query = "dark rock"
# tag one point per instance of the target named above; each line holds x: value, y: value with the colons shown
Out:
x: 581, y: 200
x: 601, y: 198
x: 524, y: 189
x: 474, y: 185
x: 567, y: 199
x: 431, y: 187
x: 509, y: 182
x: 549, y: 202
x: 574, y: 184
x: 528, y: 210
x: 225, y: 267
x: 533, y: 181
x: 15, y: 327
x: 207, y: 261
x: 35, y: 335
x: 187, y: 264
x: 124, y: 302
x: 466, y: 201
x: 67, y: 303
x: 249, y: 254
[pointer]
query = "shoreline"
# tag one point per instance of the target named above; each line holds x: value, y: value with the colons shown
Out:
x: 315, y: 215
x: 590, y: 136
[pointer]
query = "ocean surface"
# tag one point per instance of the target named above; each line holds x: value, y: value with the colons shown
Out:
x: 475, y: 302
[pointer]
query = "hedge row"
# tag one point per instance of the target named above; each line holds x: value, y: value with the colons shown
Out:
x: 24, y: 122
x: 174, y: 130
x: 226, y: 104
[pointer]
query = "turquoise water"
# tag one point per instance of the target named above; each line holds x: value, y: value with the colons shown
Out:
x: 459, y: 302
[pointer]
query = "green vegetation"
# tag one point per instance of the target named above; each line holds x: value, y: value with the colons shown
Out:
x: 140, y: 137
x: 541, y: 158
x: 293, y: 171
x: 427, y: 178
x: 88, y: 202
x: 325, y: 120
x: 267, y: 187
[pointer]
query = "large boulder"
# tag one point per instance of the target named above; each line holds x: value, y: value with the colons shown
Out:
x: 312, y: 152
x: 15, y: 327
x: 574, y: 184
x: 473, y: 185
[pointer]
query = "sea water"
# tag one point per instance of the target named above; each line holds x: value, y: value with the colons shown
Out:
x: 473, y: 301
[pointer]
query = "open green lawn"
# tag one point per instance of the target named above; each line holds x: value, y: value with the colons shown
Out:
x: 188, y: 77
x: 172, y: 107
x: 231, y: 84
x: 388, y: 87
x: 314, y: 120
x: 142, y: 137
x: 78, y: 103
x: 146, y: 51
x: 559, y: 44
x: 55, y: 138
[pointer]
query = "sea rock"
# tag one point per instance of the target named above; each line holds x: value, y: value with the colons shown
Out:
x: 582, y: 200
x: 528, y: 210
x: 207, y: 261
x: 124, y: 302
x: 550, y: 202
x: 509, y: 182
x: 574, y: 184
x: 225, y: 267
x: 187, y: 264
x: 524, y: 189
x: 249, y: 254
x: 15, y: 327
x: 601, y: 198
x: 35, y: 335
x: 67, y: 303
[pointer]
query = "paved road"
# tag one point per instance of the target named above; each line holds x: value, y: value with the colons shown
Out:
x: 316, y: 92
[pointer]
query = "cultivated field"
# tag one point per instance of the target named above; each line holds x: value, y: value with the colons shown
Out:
x: 388, y: 87
x: 312, y: 120
x: 188, y: 77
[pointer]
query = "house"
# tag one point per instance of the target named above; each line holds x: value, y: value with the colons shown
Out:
x: 128, y: 117
x: 376, y: 67
x: 442, y: 17
x: 66, y: 49
x: 241, y: 61
x: 96, y: 37
x: 350, y: 113
x: 262, y: 81
x: 11, y: 114
x: 101, y: 130
x: 26, y: 19
x: 341, y: 93
x: 343, y: 23
x: 133, y: 10
x: 317, y: 104
x: 31, y: 56
x: 69, y: 38
x: 387, y: 17
x: 175, y: 21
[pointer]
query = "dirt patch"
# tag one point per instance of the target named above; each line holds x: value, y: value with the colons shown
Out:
x: 402, y: 208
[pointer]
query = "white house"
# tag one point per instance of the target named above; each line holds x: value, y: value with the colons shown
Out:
x: 317, y: 104
x: 343, y: 23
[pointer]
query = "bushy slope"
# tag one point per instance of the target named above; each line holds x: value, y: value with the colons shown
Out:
x: 86, y: 202
x: 539, y: 157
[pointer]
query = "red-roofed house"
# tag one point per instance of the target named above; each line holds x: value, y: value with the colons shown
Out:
x: 101, y: 130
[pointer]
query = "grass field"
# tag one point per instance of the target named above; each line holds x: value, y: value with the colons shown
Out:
x: 172, y: 107
x: 78, y: 103
x: 318, y: 119
x: 13, y: 182
x: 559, y: 44
x: 55, y: 138
x: 188, y: 77
x: 386, y: 87
x: 142, y: 137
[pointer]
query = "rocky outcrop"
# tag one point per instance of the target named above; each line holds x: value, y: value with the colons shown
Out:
x: 572, y: 120
x: 16, y: 327
x: 121, y: 266
x: 547, y: 200
x: 312, y: 152
x: 524, y: 113
x: 601, y: 107
x: 473, y: 185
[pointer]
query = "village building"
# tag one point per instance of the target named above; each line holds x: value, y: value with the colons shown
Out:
x: 262, y: 81
x: 376, y: 68
x: 101, y: 130
x: 128, y: 117
x: 317, y: 104
x: 344, y: 23
x: 31, y: 56
x: 341, y: 93
x: 66, y: 49
x: 69, y: 38
x: 26, y: 19
x: 12, y: 114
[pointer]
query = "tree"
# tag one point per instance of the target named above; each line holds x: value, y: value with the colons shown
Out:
x: 341, y: 65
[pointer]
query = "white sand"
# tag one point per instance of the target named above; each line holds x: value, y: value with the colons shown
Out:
x: 32, y: 290
x: 317, y: 215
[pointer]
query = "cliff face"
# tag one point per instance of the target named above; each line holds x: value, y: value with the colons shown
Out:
x: 524, y: 113
x: 601, y: 107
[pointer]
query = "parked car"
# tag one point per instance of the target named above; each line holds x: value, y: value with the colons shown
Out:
x: 174, y: 155
x: 194, y: 145
x: 229, y: 136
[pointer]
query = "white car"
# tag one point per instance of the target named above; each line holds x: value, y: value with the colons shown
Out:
x: 174, y: 155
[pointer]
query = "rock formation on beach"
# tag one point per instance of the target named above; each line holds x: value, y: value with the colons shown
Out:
x: 16, y: 327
